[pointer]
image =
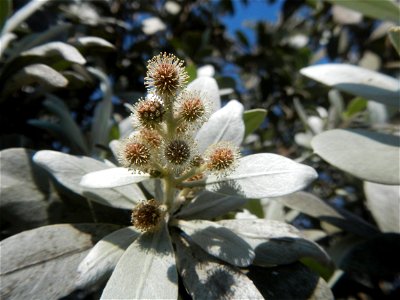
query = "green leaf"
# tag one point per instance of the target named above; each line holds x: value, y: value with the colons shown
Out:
x: 263, y: 175
x: 323, y: 270
x: 208, y: 205
x: 192, y: 71
x: 253, y: 119
x: 367, y: 155
x: 387, y: 10
x: 384, y: 203
x: 394, y: 36
x: 224, y: 125
x: 206, y: 278
x: 5, y: 11
x: 146, y: 270
x: 219, y: 241
x: 104, y: 256
x: 48, y: 257
x: 356, y: 81
x: 355, y: 106
x: 68, y: 170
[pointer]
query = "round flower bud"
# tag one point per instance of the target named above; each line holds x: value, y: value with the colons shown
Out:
x: 165, y: 74
x: 151, y: 137
x: 222, y: 158
x: 134, y: 154
x: 148, y: 113
x: 192, y: 108
x: 147, y: 216
x: 177, y: 152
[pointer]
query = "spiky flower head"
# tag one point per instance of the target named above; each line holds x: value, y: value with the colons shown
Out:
x: 134, y: 154
x: 147, y: 215
x: 151, y: 136
x: 222, y: 158
x: 149, y: 112
x: 165, y: 74
x: 193, y: 108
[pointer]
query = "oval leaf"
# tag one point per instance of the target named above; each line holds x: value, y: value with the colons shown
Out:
x: 104, y: 256
x: 146, y: 270
x: 368, y: 155
x: 264, y: 175
x: 110, y: 178
x: 224, y: 125
x: 69, y: 169
x: 42, y: 263
x: 219, y: 242
x: 356, y: 81
x: 253, y: 119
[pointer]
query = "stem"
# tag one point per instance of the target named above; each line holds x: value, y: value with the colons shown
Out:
x: 169, y: 190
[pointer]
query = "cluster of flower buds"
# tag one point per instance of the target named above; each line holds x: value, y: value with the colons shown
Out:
x: 163, y: 144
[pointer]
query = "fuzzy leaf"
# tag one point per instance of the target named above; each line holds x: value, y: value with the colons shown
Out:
x: 209, y: 87
x: 219, y: 242
x: 384, y: 203
x: 104, y: 256
x: 146, y: 270
x: 356, y: 81
x: 206, y: 278
x: 110, y: 178
x: 264, y: 175
x: 41, y: 263
x: 275, y: 242
x: 208, y: 205
x: 368, y: 155
x: 69, y: 169
x: 224, y: 125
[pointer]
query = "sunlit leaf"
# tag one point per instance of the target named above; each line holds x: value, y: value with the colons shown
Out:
x: 146, y: 270
x: 92, y: 42
x: 264, y: 175
x: 384, y: 203
x: 209, y: 87
x: 219, y: 241
x: 69, y: 170
x: 110, y: 178
x: 42, y: 263
x: 394, y: 35
x: 224, y: 125
x: 356, y: 81
x: 104, y: 256
x: 368, y: 155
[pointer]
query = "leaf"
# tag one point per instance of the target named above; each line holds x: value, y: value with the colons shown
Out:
x: 209, y: 87
x: 384, y: 203
x: 103, y: 110
x: 367, y: 155
x: 218, y: 241
x: 68, y: 170
x: 208, y: 205
x: 253, y: 119
x: 146, y: 270
x: 41, y: 263
x: 386, y: 10
x: 264, y: 175
x: 275, y: 242
x: 110, y: 178
x: 313, y: 206
x: 68, y: 125
x: 206, y: 278
x: 355, y: 106
x: 25, y: 190
x: 22, y: 14
x: 36, y: 73
x: 92, y: 42
x: 104, y: 256
x: 356, y: 81
x: 394, y: 36
x: 294, y: 281
x: 60, y: 50
x: 224, y: 125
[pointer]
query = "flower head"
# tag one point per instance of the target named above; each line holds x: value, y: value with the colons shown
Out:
x: 192, y: 108
x: 135, y: 154
x: 148, y: 113
x: 147, y: 215
x: 165, y: 74
x: 222, y: 158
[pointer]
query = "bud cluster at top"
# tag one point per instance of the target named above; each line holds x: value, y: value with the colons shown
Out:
x: 165, y: 122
